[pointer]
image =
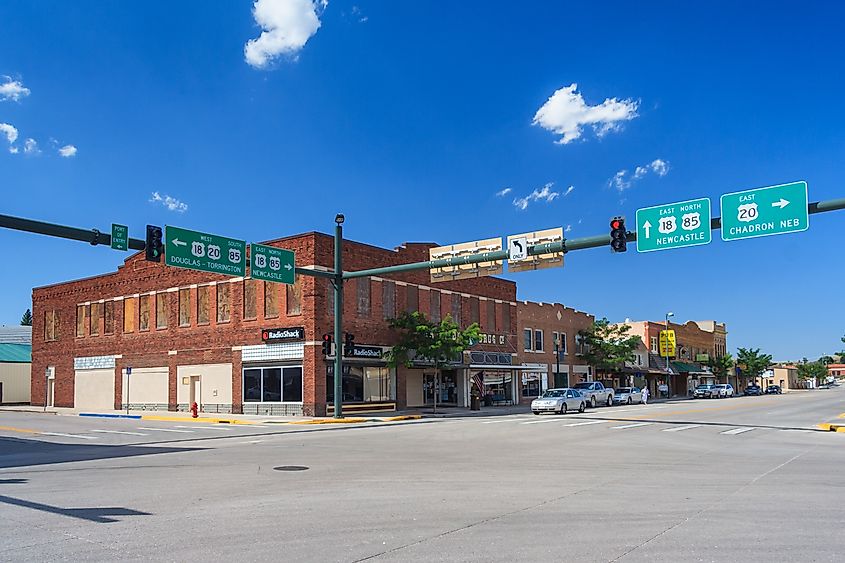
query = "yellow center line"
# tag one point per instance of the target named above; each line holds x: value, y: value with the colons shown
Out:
x: 20, y: 430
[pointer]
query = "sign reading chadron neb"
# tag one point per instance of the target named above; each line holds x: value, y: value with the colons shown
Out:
x: 283, y: 334
x: 273, y: 264
x: 762, y: 212
x: 673, y: 225
x: 204, y: 252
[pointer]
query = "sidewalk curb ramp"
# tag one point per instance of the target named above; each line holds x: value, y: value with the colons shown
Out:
x: 832, y: 427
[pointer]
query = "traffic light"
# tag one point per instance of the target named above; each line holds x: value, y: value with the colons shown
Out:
x: 327, y: 344
x: 618, y: 235
x: 153, y: 247
x: 348, y: 343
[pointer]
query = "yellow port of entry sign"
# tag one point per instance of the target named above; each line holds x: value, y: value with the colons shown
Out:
x: 667, y: 343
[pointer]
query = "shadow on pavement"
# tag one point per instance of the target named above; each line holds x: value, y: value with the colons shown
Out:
x: 98, y: 515
x: 13, y: 481
x: 20, y: 452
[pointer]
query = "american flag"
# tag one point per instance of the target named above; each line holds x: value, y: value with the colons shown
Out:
x: 478, y: 379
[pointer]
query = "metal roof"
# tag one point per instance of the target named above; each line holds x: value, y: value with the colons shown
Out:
x: 15, y: 334
x: 15, y: 353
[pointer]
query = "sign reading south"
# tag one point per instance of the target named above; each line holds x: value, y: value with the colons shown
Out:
x: 673, y: 225
x: 204, y: 252
x: 273, y: 264
x: 763, y: 212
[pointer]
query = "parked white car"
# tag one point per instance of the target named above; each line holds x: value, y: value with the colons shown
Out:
x: 628, y: 396
x: 559, y: 401
x: 722, y: 391
x: 595, y: 393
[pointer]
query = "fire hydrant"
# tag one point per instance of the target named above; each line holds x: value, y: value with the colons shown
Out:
x: 194, y: 409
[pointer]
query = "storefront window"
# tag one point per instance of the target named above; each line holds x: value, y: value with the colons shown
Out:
x: 362, y: 384
x: 498, y: 385
x: 531, y: 384
x: 273, y: 384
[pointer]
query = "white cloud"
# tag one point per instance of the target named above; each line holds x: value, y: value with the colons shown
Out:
x: 287, y: 26
x: 12, y: 90
x: 67, y: 151
x: 622, y: 180
x: 568, y: 191
x: 504, y: 192
x: 566, y: 113
x: 544, y: 194
x: 11, y: 133
x: 30, y: 146
x: 567, y: 229
x: 171, y: 203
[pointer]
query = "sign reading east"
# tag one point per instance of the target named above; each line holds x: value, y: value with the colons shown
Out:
x: 204, y: 252
x: 762, y: 212
x: 273, y: 264
x: 673, y: 225
x: 119, y: 237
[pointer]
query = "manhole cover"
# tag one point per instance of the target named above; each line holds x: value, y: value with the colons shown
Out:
x: 290, y: 468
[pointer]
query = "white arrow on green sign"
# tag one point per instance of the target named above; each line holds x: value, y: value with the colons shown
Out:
x: 204, y: 252
x: 673, y: 225
x: 119, y: 237
x: 763, y: 212
x: 273, y: 264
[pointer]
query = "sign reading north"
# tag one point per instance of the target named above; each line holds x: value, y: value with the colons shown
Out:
x: 273, y: 264
x: 204, y: 252
x: 119, y: 237
x: 673, y: 225
x: 763, y: 212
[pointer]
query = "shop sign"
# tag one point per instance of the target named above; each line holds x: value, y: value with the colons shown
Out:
x: 374, y: 352
x: 702, y: 358
x: 667, y: 343
x: 283, y: 334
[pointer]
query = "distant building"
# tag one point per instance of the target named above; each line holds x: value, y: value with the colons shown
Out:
x: 836, y: 371
x: 786, y: 376
x: 15, y: 364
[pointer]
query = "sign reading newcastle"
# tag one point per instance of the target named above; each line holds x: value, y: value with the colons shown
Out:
x: 762, y: 212
x: 673, y: 225
x: 204, y: 252
x: 273, y: 264
x: 283, y: 334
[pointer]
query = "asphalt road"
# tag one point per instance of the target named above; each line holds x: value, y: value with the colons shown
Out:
x: 743, y: 479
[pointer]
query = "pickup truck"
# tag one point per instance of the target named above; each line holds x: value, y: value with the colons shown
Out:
x: 595, y: 393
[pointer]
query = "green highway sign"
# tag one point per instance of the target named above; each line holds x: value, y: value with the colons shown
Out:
x: 119, y: 237
x: 673, y: 225
x: 204, y: 252
x: 271, y: 264
x: 763, y: 212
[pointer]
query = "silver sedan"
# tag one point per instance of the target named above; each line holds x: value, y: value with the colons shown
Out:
x: 559, y: 401
x: 628, y: 395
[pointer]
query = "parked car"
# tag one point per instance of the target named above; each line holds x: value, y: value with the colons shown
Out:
x: 628, y: 395
x: 703, y: 391
x: 559, y: 401
x: 753, y: 390
x: 722, y: 391
x: 773, y: 390
x: 595, y: 393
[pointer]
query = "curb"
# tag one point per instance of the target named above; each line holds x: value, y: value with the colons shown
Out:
x: 97, y: 415
x: 355, y: 420
x: 828, y: 427
x: 203, y: 420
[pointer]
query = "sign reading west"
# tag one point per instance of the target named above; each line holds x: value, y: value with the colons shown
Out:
x: 763, y: 212
x: 204, y: 252
x: 273, y: 264
x: 673, y: 225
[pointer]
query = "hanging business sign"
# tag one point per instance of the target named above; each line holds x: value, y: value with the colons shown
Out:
x: 283, y: 334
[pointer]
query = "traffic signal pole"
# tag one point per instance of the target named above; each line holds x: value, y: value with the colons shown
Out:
x: 337, y: 282
x: 91, y: 236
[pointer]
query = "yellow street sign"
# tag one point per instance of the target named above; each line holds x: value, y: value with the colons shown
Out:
x: 668, y: 344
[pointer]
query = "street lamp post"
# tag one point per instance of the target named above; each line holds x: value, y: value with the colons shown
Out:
x: 46, y: 387
x: 668, y: 371
x: 557, y: 358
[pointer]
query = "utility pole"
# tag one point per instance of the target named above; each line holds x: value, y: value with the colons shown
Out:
x: 338, y: 315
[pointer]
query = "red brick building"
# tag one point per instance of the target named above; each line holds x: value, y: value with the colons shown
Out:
x: 541, y: 325
x: 159, y: 337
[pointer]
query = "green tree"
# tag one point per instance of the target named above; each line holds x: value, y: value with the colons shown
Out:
x: 752, y: 362
x: 430, y: 342
x: 721, y: 366
x: 826, y: 360
x: 607, y: 346
x: 812, y: 370
x: 26, y: 319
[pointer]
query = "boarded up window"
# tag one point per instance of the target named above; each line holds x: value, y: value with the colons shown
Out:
x: 434, y: 303
x: 456, y: 309
x: 96, y: 315
x: 108, y: 317
x: 81, y: 315
x: 203, y: 297
x: 412, y: 302
x: 293, y: 298
x: 223, y: 304
x: 363, y: 296
x: 51, y: 325
x: 506, y: 318
x: 184, y: 307
x: 474, y: 313
x: 271, y: 300
x: 129, y: 314
x: 388, y: 299
x: 330, y: 298
x: 491, y: 316
x: 250, y: 308
x: 162, y: 310
x: 144, y: 312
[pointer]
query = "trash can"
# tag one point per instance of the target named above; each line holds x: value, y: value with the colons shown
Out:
x: 475, y: 403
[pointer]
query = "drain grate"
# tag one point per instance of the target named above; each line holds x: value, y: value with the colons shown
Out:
x: 290, y: 468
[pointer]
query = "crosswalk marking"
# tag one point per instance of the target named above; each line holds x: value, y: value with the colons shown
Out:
x: 737, y: 431
x: 588, y: 422
x: 682, y: 428
x: 80, y: 436
x: 163, y: 429
x: 498, y: 421
x: 120, y: 432
x: 539, y: 421
x: 634, y: 425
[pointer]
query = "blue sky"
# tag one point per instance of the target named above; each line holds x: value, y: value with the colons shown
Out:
x: 411, y: 117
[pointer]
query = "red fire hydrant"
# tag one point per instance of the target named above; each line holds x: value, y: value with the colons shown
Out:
x: 194, y: 409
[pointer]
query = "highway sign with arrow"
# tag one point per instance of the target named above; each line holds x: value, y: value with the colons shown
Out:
x: 763, y: 212
x: 673, y: 225
x: 273, y: 264
x: 204, y: 252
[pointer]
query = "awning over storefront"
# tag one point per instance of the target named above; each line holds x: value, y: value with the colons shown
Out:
x: 691, y: 369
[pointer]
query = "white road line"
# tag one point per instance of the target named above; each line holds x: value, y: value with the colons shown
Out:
x: 682, y: 428
x: 588, y: 422
x: 209, y: 427
x: 121, y: 432
x: 498, y: 421
x: 634, y: 425
x: 736, y: 431
x: 540, y: 421
x: 68, y: 435
x: 163, y: 429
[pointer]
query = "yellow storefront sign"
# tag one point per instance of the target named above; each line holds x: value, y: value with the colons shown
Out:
x: 667, y: 343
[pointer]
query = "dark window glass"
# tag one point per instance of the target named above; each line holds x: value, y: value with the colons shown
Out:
x: 474, y: 313
x: 506, y: 318
x: 292, y: 384
x: 434, y: 303
x: 252, y: 385
x: 456, y: 309
x: 353, y: 383
x: 491, y: 316
x: 526, y: 339
x: 413, y: 301
x: 388, y: 299
x: 272, y: 385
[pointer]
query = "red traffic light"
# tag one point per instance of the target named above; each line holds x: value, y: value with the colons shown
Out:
x: 615, y: 224
x: 327, y: 337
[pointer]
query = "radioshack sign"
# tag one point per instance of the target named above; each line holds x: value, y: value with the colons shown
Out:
x: 283, y: 334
